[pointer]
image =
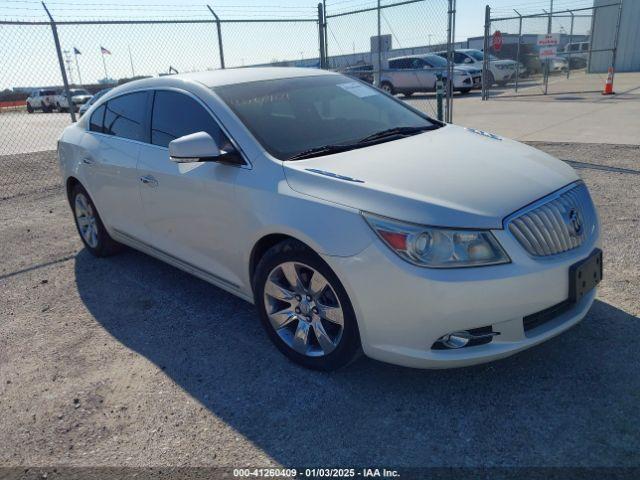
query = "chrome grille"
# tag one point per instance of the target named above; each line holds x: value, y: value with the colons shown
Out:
x: 555, y: 224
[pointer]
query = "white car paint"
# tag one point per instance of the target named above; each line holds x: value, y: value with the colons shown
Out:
x: 78, y: 98
x: 207, y: 217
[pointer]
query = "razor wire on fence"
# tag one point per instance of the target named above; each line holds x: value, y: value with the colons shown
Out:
x: 56, y: 58
x: 552, y: 52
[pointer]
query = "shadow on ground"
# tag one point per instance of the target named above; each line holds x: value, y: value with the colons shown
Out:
x: 572, y: 401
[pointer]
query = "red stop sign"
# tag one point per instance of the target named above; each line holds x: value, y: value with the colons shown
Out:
x: 496, y: 42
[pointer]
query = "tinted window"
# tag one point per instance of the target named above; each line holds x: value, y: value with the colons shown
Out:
x: 401, y: 63
x: 459, y: 57
x: 125, y: 116
x: 176, y: 115
x: 291, y: 115
x: 97, y: 118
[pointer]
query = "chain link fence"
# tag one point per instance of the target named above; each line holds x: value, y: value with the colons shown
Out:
x: 386, y: 43
x: 549, y: 53
x: 52, y: 58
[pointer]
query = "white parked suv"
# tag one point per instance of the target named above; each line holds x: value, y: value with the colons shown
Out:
x: 419, y: 73
x: 79, y: 96
x: 351, y: 220
x: 500, y: 71
x: 43, y: 99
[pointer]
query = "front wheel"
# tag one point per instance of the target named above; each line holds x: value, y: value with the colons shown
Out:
x: 90, y: 226
x: 29, y: 108
x: 59, y: 107
x: 304, y: 308
x: 387, y: 88
x: 464, y: 91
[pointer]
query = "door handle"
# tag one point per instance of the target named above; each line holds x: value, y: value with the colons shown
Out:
x: 88, y: 160
x: 149, y: 180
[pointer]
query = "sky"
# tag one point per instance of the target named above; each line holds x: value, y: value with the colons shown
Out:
x: 29, y: 55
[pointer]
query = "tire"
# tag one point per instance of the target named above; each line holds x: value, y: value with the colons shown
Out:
x: 289, y: 313
x: 502, y: 83
x: 388, y: 88
x: 464, y: 91
x: 98, y: 241
x: 47, y: 109
x: 59, y: 108
x: 29, y: 108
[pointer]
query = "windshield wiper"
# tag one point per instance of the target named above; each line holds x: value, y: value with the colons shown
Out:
x: 390, y: 132
x: 322, y: 150
x: 337, y: 148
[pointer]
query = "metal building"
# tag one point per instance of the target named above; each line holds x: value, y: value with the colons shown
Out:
x: 604, y: 36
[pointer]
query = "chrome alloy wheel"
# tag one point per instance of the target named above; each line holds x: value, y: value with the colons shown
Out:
x: 303, y: 309
x: 87, y: 223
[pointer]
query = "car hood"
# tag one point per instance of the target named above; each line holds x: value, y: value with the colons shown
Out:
x: 503, y: 62
x: 468, y: 68
x: 452, y: 176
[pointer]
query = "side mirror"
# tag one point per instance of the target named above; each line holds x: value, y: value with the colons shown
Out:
x: 200, y: 147
x: 197, y: 147
x: 468, y: 60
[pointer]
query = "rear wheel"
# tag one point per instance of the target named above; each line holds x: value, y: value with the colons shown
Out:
x: 59, y: 107
x: 304, y: 307
x: 464, y: 91
x: 29, y: 108
x: 90, y: 226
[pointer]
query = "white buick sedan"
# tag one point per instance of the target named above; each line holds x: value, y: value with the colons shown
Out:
x: 352, y: 221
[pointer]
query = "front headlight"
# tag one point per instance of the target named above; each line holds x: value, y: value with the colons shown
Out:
x: 502, y: 66
x: 437, y: 247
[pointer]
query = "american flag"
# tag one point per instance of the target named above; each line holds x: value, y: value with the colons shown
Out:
x: 104, y: 51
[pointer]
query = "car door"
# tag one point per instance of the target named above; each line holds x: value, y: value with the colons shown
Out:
x: 188, y: 207
x: 423, y: 77
x: 109, y: 157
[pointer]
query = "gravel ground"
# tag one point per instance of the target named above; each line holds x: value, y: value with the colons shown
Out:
x: 128, y: 361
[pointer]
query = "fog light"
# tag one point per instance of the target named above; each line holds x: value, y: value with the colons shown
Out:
x: 455, y: 339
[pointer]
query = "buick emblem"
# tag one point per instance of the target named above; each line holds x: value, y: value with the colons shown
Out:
x: 574, y: 222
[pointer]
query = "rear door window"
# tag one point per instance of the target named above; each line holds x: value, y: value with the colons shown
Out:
x: 125, y: 116
x: 96, y: 122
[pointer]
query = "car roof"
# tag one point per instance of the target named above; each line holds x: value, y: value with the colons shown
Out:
x: 418, y: 55
x: 229, y: 76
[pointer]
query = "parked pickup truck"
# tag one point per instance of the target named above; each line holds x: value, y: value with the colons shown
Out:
x: 41, y: 99
x: 419, y: 73
x: 79, y: 96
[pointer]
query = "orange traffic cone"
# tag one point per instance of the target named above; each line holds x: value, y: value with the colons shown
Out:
x: 608, y: 86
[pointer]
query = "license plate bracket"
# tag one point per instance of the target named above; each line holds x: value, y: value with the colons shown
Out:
x: 585, y: 275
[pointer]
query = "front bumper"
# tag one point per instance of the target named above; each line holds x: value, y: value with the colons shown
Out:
x: 403, y: 309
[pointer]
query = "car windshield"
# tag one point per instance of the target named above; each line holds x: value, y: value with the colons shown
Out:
x: 294, y: 115
x: 48, y: 92
x: 476, y: 54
